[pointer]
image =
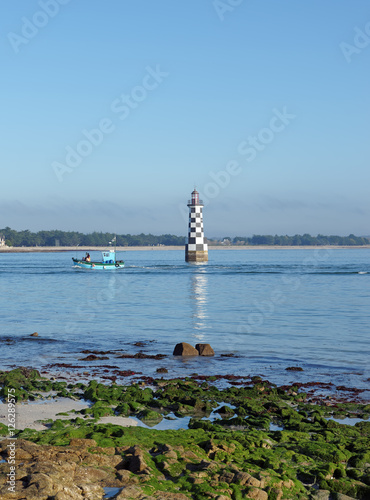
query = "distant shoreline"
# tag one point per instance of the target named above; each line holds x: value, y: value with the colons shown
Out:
x: 182, y: 248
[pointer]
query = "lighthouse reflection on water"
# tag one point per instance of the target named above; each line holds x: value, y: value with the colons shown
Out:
x: 196, y: 253
x: 199, y: 301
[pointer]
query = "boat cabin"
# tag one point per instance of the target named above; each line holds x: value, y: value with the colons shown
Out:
x: 109, y: 257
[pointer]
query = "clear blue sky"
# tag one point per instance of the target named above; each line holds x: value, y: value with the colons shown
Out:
x: 183, y: 89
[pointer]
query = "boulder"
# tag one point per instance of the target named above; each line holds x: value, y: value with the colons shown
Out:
x: 83, y: 443
x: 137, y: 462
x: 257, y: 494
x: 205, y: 350
x: 184, y: 349
x: 278, y: 494
x: 244, y: 478
x: 227, y: 477
x: 126, y: 477
x: 129, y: 492
x: 342, y: 496
x: 225, y: 410
x: 321, y: 495
x: 167, y: 495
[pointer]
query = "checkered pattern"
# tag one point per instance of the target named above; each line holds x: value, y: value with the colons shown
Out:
x: 195, y: 240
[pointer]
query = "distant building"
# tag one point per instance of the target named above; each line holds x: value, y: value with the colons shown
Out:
x: 2, y: 240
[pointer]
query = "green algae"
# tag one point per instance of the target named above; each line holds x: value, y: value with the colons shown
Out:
x: 27, y: 384
x: 226, y: 411
x: 123, y: 409
x: 18, y: 382
x: 282, y: 455
x: 3, y: 430
x: 150, y: 417
x: 309, y: 450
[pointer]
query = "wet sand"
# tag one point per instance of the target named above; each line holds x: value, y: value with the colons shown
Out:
x: 182, y: 248
x: 28, y: 415
x: 82, y: 249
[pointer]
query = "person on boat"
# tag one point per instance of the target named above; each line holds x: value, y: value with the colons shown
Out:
x: 87, y: 258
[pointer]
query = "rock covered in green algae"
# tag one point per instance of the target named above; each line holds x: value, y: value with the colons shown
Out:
x: 226, y: 410
x: 20, y: 381
x: 233, y: 461
x: 150, y: 417
x: 211, y: 459
x: 27, y: 384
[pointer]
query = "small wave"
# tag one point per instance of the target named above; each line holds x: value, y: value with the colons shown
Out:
x: 336, y: 273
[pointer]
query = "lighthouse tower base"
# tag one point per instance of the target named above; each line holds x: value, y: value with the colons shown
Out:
x: 196, y: 255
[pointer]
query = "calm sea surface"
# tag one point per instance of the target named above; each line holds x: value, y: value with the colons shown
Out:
x: 273, y: 309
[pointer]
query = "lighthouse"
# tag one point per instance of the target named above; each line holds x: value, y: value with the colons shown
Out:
x: 196, y: 249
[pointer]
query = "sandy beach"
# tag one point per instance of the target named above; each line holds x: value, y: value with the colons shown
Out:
x: 29, y: 415
x: 182, y: 248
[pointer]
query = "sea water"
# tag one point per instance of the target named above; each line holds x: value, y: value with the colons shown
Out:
x: 267, y: 310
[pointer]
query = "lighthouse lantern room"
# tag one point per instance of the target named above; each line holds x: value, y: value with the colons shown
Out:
x: 196, y: 249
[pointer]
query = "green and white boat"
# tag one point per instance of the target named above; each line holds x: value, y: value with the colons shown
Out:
x: 108, y: 261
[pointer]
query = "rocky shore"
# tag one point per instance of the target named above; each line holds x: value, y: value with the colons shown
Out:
x: 245, y: 439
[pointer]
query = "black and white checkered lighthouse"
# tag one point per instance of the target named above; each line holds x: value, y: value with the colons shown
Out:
x: 196, y: 249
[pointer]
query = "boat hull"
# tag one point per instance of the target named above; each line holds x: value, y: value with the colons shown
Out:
x: 95, y: 266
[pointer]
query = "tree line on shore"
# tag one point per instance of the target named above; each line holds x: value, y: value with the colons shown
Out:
x: 52, y: 238
x: 73, y: 238
x: 299, y: 240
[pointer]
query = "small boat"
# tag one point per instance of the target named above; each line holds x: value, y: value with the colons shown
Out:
x: 108, y: 261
